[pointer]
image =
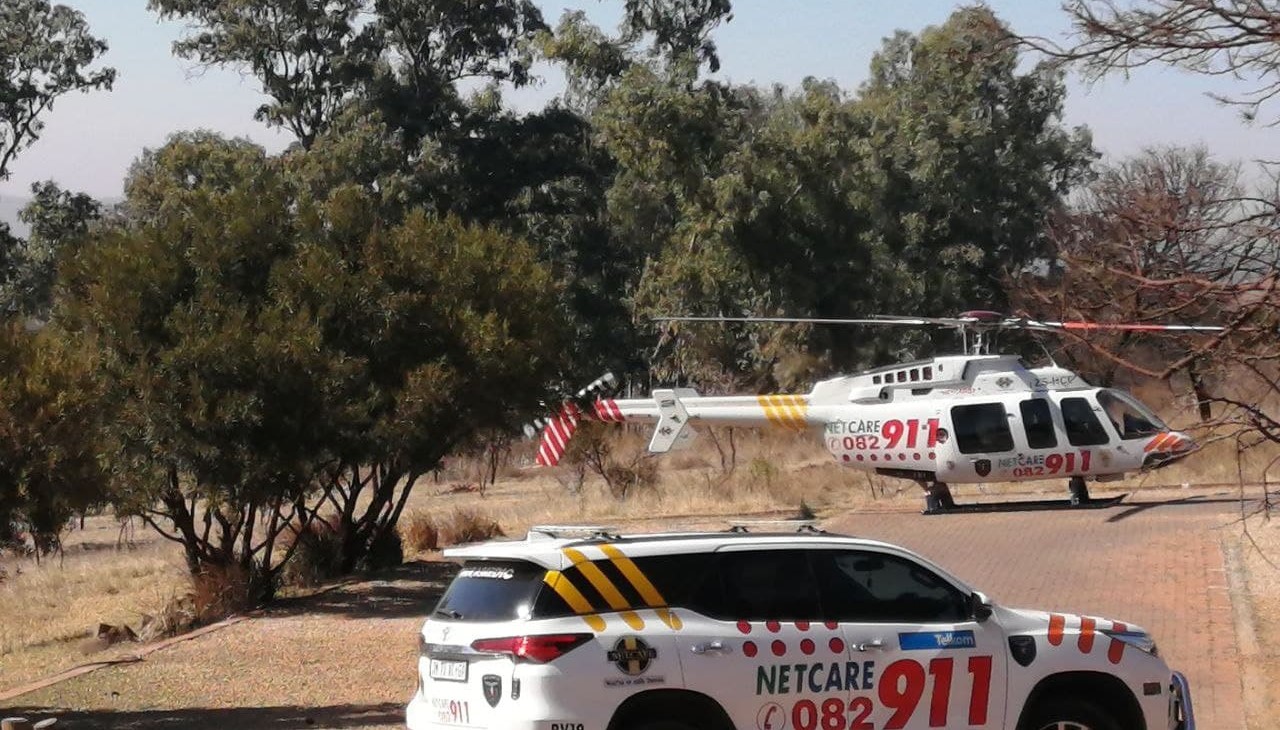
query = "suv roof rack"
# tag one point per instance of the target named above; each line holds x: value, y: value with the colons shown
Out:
x: 810, y: 526
x: 550, y: 532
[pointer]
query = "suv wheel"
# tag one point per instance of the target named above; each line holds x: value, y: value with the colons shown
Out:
x: 1069, y: 714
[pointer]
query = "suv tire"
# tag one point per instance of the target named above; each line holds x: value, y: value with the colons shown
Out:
x: 1070, y: 714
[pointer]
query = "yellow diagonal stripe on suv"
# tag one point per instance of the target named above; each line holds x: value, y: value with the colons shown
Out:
x: 573, y: 597
x: 648, y: 591
x: 786, y: 411
x: 605, y: 588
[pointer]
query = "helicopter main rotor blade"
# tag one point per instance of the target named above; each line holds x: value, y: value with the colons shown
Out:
x: 1123, y: 326
x: 914, y: 321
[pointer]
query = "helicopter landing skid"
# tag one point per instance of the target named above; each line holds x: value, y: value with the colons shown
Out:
x: 938, y: 501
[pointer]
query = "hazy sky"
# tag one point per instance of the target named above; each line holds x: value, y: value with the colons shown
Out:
x: 90, y: 140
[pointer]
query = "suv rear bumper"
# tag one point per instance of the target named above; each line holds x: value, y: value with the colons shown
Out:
x: 1181, y: 714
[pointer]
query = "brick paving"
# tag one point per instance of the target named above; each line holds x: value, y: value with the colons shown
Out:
x: 1158, y: 565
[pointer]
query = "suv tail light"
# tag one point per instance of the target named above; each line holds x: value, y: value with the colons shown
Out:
x: 536, y: 649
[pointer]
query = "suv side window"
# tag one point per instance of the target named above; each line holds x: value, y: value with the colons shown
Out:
x: 982, y: 428
x: 759, y: 585
x: 1083, y: 428
x: 879, y: 588
x: 1038, y: 422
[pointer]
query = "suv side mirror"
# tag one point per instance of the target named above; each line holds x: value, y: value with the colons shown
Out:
x: 979, y: 606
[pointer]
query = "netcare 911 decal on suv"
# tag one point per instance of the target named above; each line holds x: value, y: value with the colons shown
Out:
x: 589, y: 630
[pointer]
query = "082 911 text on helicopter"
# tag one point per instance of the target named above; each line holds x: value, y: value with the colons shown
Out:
x: 975, y: 417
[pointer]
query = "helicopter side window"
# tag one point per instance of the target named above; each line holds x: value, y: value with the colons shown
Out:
x: 982, y: 428
x: 1083, y: 428
x: 1131, y: 419
x: 1038, y: 423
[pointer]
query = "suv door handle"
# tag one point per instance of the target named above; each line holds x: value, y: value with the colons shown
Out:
x: 711, y: 647
x: 873, y: 645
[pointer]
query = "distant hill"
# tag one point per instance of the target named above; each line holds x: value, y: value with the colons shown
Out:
x: 9, y: 207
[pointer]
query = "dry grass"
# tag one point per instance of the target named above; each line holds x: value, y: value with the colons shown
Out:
x: 47, y: 610
x: 418, y: 532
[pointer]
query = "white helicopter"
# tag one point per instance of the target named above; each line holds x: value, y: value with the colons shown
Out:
x: 954, y: 419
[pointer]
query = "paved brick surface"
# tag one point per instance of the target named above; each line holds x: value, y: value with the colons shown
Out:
x: 1158, y: 565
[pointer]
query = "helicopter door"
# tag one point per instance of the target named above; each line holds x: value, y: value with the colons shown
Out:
x: 1085, y: 433
x: 1037, y: 438
x: 984, y: 442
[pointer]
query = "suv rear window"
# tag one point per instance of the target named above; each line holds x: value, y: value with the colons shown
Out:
x: 491, y: 590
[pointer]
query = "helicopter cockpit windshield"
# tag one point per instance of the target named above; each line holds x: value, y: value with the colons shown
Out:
x: 1131, y: 419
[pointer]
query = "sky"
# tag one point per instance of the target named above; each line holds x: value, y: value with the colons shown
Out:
x: 91, y: 139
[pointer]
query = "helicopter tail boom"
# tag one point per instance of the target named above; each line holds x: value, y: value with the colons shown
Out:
x: 673, y: 411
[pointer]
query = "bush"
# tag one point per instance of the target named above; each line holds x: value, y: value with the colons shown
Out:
x: 467, y: 525
x: 419, y: 532
x: 317, y: 558
x: 386, y: 551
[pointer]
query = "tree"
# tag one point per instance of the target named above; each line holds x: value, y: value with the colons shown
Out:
x: 1229, y: 38
x: 1161, y: 214
x: 45, y: 52
x: 1235, y: 271
x: 274, y: 359
x: 309, y: 56
x: 50, y: 418
x: 58, y: 221
x: 968, y: 158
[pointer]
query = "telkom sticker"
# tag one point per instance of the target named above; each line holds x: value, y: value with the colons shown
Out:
x: 917, y: 640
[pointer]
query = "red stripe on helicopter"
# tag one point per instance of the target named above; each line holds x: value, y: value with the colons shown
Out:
x: 556, y: 435
x: 1057, y: 623
x: 1115, y: 652
x: 1158, y: 441
x: 1085, y: 641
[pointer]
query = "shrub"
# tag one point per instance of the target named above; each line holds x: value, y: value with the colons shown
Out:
x: 317, y: 558
x: 385, y: 551
x: 467, y: 525
x: 419, y: 532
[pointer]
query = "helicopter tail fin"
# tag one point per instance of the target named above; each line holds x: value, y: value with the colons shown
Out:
x: 672, y: 432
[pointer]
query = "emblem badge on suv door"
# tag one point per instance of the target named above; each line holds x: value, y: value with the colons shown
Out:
x: 492, y: 686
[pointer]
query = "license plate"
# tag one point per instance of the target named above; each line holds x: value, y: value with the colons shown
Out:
x: 448, y: 670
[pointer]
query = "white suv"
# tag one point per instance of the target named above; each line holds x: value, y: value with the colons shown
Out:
x: 779, y: 631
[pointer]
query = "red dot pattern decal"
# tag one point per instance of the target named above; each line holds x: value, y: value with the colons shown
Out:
x: 779, y: 647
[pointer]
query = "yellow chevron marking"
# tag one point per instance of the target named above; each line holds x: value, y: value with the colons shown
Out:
x: 785, y: 411
x: 770, y: 410
x: 605, y: 588
x: 574, y: 598
x: 648, y: 591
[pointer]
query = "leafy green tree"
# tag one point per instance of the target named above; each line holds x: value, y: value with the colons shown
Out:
x: 45, y: 52
x: 967, y: 158
x: 50, y: 415
x: 58, y: 220
x: 310, y: 57
x: 274, y: 358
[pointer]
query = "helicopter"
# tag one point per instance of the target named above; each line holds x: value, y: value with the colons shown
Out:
x: 969, y: 418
